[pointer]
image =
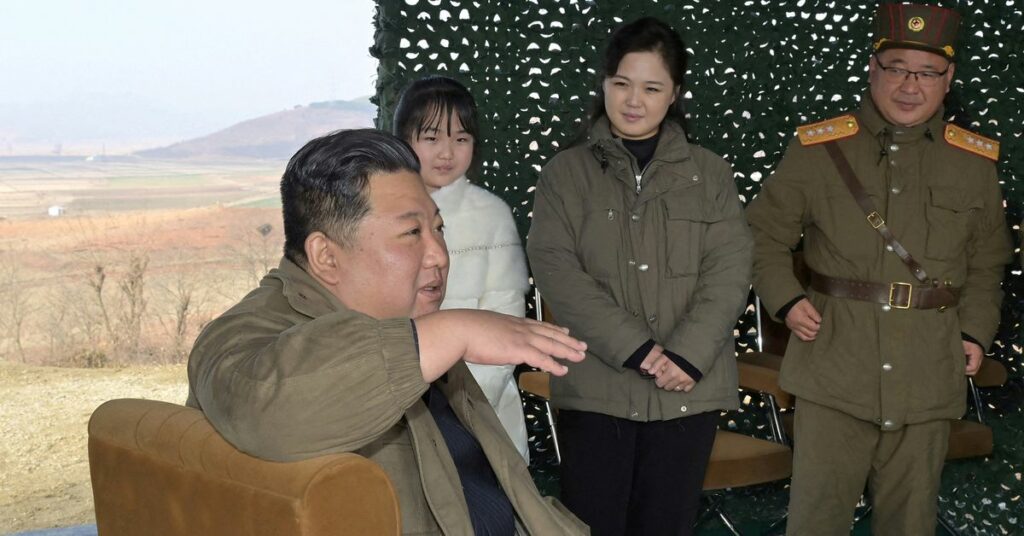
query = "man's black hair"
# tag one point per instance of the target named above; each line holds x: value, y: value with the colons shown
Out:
x: 324, y: 185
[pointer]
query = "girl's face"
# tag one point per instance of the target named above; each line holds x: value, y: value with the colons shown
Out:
x: 444, y: 156
x: 637, y: 97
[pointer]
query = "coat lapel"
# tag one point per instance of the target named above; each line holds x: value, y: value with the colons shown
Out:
x: 438, y: 475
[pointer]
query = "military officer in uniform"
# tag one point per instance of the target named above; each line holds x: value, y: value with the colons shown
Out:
x: 904, y: 235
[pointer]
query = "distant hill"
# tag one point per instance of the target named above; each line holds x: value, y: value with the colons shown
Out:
x: 277, y: 135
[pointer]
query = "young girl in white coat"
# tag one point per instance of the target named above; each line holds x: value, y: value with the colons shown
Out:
x: 437, y: 116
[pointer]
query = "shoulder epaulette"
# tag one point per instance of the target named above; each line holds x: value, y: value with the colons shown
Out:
x: 833, y: 129
x: 971, y: 142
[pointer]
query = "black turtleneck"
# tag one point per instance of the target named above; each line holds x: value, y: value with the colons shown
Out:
x: 642, y: 150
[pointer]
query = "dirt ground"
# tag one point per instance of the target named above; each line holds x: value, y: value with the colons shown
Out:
x: 44, y: 467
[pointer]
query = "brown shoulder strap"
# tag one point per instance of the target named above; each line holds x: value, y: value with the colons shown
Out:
x: 874, y: 218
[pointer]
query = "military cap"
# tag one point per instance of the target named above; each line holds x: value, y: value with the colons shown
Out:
x: 928, y: 28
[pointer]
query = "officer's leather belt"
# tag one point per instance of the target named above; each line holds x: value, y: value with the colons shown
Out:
x: 896, y: 295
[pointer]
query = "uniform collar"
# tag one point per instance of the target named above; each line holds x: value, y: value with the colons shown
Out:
x: 304, y: 293
x: 880, y: 128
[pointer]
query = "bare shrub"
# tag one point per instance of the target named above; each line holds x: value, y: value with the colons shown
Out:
x: 15, y: 303
x: 87, y: 359
x: 59, y: 324
x: 97, y: 280
x: 132, y: 306
x: 121, y: 315
x: 186, y: 294
x: 258, y: 248
x: 87, y: 324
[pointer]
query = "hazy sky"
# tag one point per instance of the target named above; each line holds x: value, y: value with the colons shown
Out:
x: 201, y: 64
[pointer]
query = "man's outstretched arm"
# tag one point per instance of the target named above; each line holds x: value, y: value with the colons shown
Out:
x: 336, y: 383
x: 489, y: 338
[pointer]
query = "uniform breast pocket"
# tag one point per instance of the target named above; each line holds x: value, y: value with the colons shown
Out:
x: 600, y: 241
x: 950, y: 214
x: 686, y: 220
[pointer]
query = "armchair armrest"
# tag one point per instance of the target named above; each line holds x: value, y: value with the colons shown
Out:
x: 161, y: 469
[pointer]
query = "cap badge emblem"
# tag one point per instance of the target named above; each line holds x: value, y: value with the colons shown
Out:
x: 915, y: 24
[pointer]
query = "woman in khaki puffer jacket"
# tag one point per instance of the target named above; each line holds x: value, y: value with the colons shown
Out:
x: 640, y: 247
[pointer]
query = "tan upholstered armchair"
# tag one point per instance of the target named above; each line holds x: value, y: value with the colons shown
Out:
x: 161, y: 469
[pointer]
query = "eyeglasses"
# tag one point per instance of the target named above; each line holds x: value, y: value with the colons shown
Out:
x: 898, y: 75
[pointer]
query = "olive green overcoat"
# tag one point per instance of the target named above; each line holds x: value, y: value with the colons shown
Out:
x: 943, y: 203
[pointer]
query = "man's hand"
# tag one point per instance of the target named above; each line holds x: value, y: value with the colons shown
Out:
x: 975, y: 354
x: 803, y: 320
x: 489, y: 338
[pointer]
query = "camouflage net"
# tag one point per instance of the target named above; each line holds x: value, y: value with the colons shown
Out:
x: 757, y: 69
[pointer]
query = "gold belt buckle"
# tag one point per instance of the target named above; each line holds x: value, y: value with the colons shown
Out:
x: 875, y: 220
x: 892, y: 292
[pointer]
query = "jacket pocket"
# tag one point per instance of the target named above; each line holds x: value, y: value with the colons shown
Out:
x: 686, y: 219
x: 600, y: 242
x: 950, y: 214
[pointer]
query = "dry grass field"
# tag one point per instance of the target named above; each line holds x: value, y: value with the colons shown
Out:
x: 145, y: 250
x: 44, y: 468
x: 29, y: 186
x: 105, y: 301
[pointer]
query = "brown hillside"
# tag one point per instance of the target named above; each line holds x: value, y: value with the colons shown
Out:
x: 277, y: 135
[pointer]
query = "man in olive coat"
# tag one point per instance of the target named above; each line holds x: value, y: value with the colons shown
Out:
x: 323, y: 357
x: 905, y: 282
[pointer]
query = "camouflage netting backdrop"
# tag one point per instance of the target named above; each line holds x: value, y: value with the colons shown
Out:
x: 757, y: 70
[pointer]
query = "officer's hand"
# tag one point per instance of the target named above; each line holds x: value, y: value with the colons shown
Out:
x: 975, y: 354
x: 672, y: 378
x: 803, y: 320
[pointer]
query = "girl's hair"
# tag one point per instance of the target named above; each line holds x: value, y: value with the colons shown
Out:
x: 431, y: 101
x: 647, y: 34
